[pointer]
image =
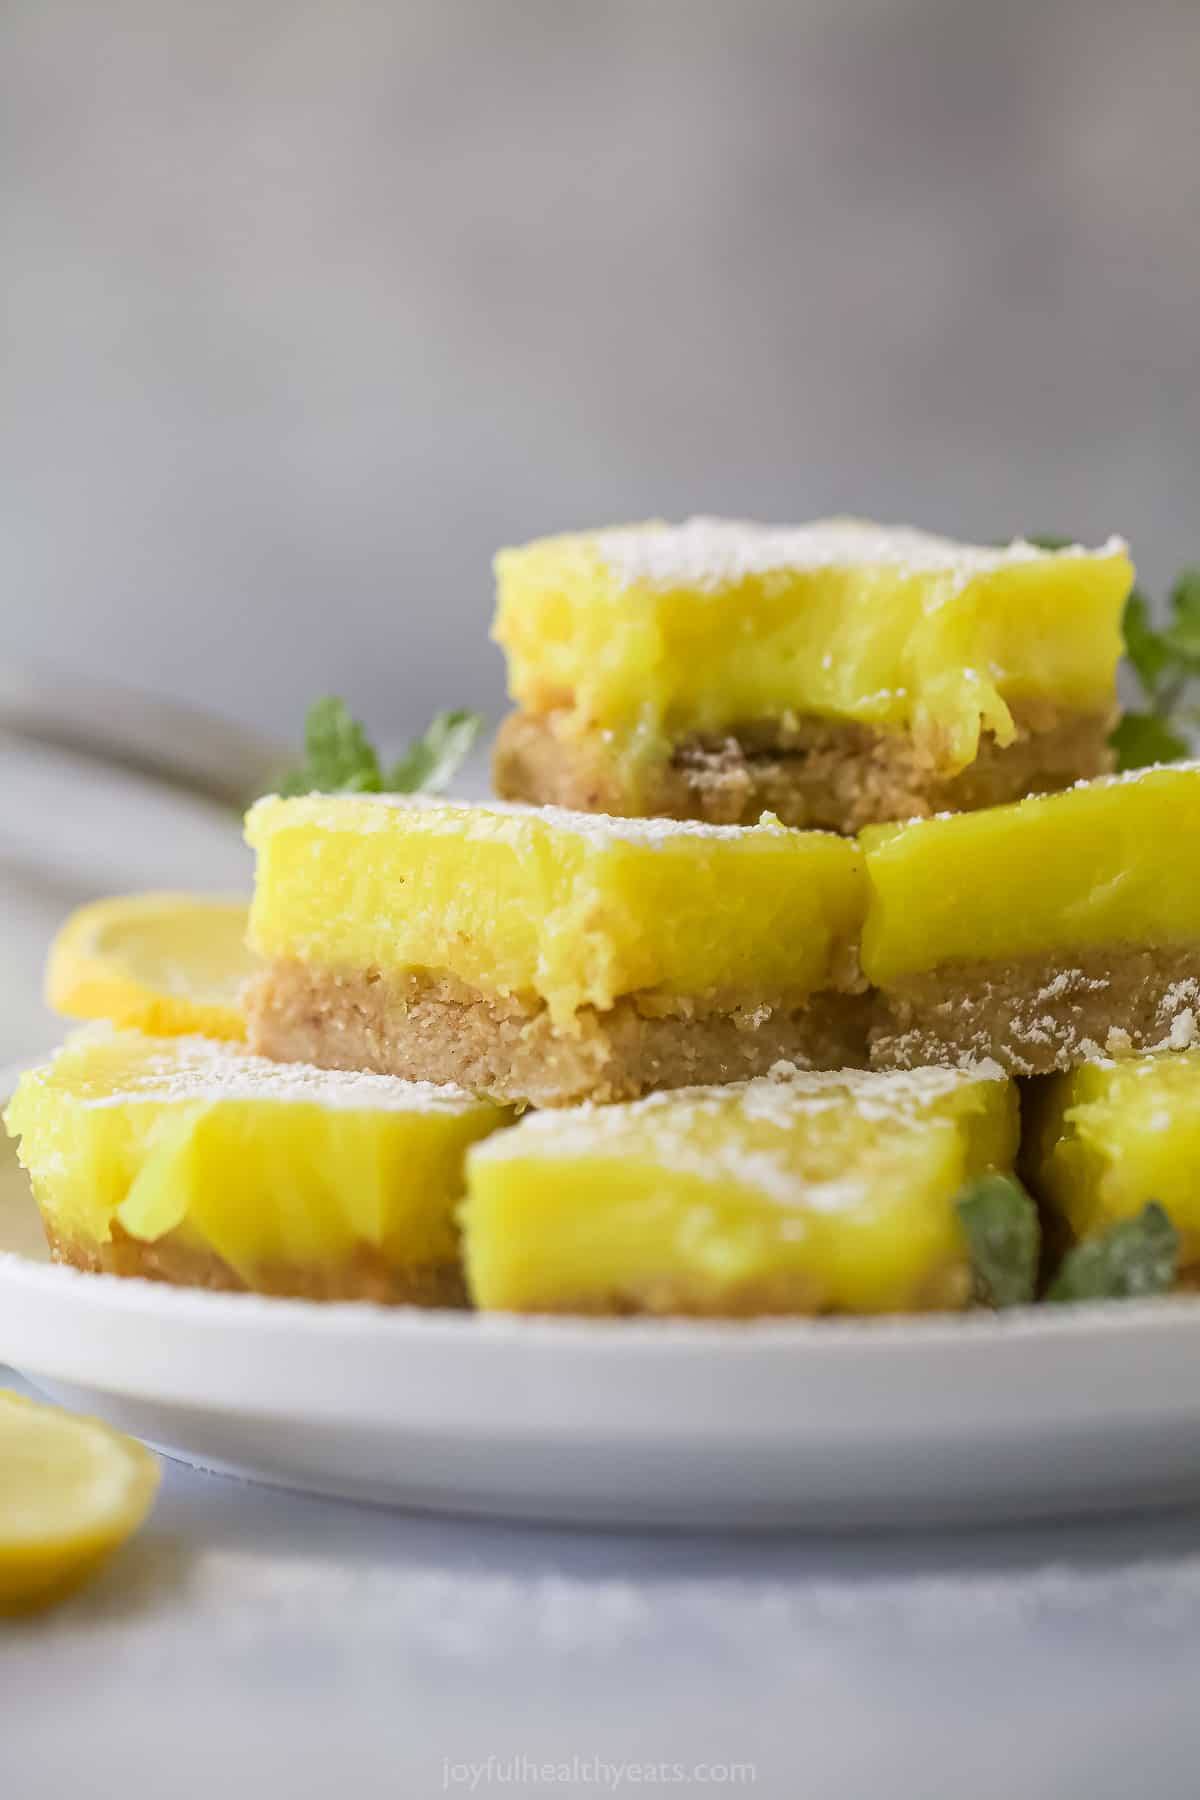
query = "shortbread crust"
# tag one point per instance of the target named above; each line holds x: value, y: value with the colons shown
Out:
x: 1037, y: 1015
x: 512, y: 1049
x: 366, y: 1276
x: 811, y: 773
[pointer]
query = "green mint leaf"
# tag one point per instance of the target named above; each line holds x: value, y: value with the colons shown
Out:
x: 1148, y: 650
x: 339, y: 758
x: 1143, y: 738
x: 1042, y: 540
x: 1004, y: 1239
x: 432, y: 761
x: 1133, y: 1259
x: 1182, y: 635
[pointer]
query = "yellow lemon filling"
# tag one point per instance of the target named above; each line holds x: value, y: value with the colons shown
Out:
x: 574, y: 909
x: 653, y: 632
x: 1111, y: 1136
x: 1110, y: 862
x: 71, y: 1491
x: 160, y: 962
x: 815, y: 1193
x: 262, y: 1166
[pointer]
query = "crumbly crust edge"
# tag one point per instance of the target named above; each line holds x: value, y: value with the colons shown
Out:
x: 1041, y: 1015
x: 366, y: 1275
x: 432, y: 1027
x: 813, y: 773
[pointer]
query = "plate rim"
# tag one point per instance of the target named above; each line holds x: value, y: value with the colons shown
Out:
x: 100, y: 1291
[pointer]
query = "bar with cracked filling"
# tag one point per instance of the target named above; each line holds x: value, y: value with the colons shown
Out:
x: 810, y: 1193
x: 1043, y: 934
x: 546, y: 956
x: 836, y: 674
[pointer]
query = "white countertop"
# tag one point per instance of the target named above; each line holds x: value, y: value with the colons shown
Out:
x: 247, y: 1634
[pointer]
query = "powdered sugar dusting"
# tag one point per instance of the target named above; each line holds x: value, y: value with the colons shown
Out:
x: 1054, y: 1026
x: 190, y: 1069
x: 1033, y: 805
x: 780, y: 1097
x: 708, y: 553
x: 1135, y: 777
x: 1176, y: 1017
x: 755, y: 1132
x: 467, y: 1613
x: 502, y: 819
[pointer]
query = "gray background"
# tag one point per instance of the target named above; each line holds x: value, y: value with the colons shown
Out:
x: 309, y: 304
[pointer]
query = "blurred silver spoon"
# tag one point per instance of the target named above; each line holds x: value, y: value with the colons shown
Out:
x: 178, y: 744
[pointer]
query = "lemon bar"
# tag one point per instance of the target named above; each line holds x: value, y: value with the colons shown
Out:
x: 190, y: 1161
x: 808, y: 1193
x: 836, y: 674
x: 1042, y: 934
x: 546, y: 956
x: 1111, y: 1136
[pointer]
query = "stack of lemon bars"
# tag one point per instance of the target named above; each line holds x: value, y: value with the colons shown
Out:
x: 808, y: 876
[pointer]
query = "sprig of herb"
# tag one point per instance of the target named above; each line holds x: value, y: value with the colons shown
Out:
x: 1165, y: 663
x: 431, y: 762
x: 339, y: 757
x: 1004, y: 1239
x: 1133, y: 1259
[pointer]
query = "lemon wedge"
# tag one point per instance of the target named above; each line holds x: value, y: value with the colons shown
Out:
x: 71, y: 1491
x: 170, y: 964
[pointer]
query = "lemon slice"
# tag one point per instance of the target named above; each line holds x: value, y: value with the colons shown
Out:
x: 163, y: 963
x: 71, y: 1490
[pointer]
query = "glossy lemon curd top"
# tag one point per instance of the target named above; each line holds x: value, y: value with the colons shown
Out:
x: 844, y: 1184
x: 263, y: 1163
x: 573, y: 908
x: 653, y: 632
x: 1108, y: 862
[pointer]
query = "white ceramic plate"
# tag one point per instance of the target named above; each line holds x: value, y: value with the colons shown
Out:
x: 832, y: 1423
